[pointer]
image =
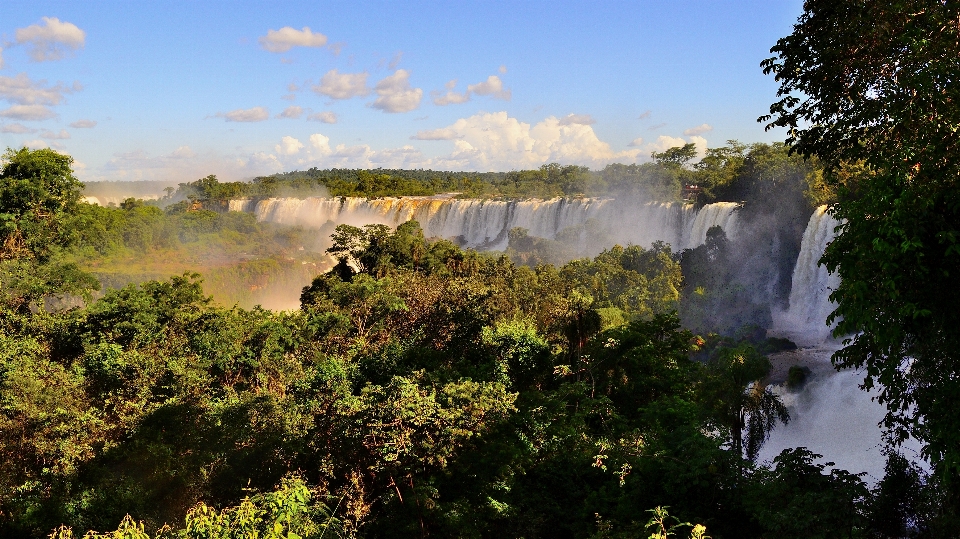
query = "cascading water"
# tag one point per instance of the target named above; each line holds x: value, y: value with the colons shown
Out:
x: 810, y: 305
x: 831, y: 416
x: 484, y: 224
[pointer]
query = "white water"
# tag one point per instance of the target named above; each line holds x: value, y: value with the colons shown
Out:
x: 810, y: 305
x: 483, y: 224
x: 831, y: 416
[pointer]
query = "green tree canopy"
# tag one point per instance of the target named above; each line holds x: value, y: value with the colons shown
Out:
x: 37, y: 191
x: 870, y: 88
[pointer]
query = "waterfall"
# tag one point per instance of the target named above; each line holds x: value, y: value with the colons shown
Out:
x: 810, y: 303
x: 483, y: 224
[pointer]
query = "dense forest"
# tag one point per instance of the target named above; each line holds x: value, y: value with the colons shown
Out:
x: 424, y: 389
x: 420, y: 389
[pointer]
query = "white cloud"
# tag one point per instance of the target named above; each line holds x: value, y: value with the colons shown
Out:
x: 16, y: 128
x: 396, y: 94
x: 493, y: 87
x: 51, y: 39
x: 451, y: 97
x: 292, y: 112
x: 577, y: 119
x: 288, y: 146
x: 83, y: 124
x: 496, y: 141
x: 701, y: 144
x: 665, y: 142
x: 327, y: 117
x: 286, y: 38
x: 28, y: 112
x: 23, y: 91
x: 503, y: 69
x: 321, y: 143
x: 342, y: 85
x: 446, y: 133
x: 62, y: 135
x: 256, y: 114
x: 699, y: 130
x: 1, y: 57
x: 636, y: 143
x: 35, y: 144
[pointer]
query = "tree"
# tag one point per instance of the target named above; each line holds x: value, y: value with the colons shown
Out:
x: 37, y: 192
x: 870, y: 88
x: 38, y: 195
x: 739, y: 401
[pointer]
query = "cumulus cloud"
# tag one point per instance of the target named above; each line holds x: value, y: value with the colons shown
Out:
x: 451, y: 97
x: 288, y: 146
x: 342, y: 85
x: 28, y: 113
x: 256, y: 114
x: 496, y: 141
x: 23, y: 91
x: 636, y: 143
x: 83, y: 124
x: 51, y: 39
x: 396, y: 94
x: 292, y: 112
x: 321, y: 143
x: 699, y: 130
x: 503, y: 69
x: 319, y: 152
x: 62, y: 135
x: 286, y: 38
x: 493, y: 87
x: 577, y: 119
x: 16, y: 128
x: 665, y: 142
x: 327, y: 117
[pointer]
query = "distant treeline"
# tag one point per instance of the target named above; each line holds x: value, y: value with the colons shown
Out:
x: 734, y: 172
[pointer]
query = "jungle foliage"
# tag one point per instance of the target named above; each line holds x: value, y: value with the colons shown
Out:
x: 420, y: 390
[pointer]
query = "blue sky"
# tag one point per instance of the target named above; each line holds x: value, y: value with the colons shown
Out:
x: 176, y: 91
